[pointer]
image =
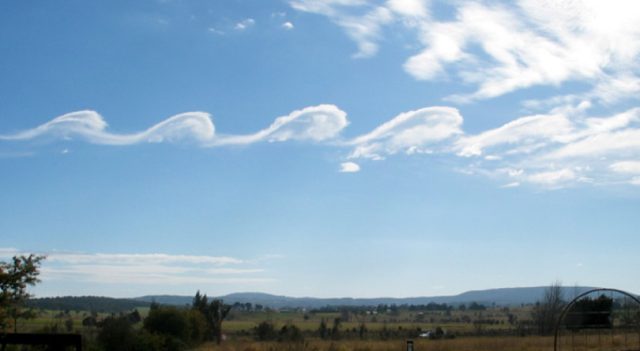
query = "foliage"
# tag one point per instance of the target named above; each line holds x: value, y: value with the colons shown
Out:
x: 167, y: 321
x: 116, y: 333
x: 290, y: 332
x: 214, y: 312
x: 198, y: 327
x: 265, y: 331
x: 15, y: 277
x: 590, y: 313
x: 86, y: 303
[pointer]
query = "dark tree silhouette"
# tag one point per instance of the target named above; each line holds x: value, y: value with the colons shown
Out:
x: 15, y: 277
x: 546, y: 312
x: 214, y: 312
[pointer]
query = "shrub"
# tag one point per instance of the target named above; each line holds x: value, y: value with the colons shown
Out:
x: 168, y: 321
x: 116, y: 334
x: 265, y: 331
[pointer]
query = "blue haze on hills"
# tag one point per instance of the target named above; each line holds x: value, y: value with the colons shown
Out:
x: 501, y: 296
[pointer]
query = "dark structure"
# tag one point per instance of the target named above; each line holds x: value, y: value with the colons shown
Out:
x: 599, y: 319
x: 53, y: 342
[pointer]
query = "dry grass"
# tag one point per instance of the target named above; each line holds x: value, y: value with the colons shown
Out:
x: 460, y: 344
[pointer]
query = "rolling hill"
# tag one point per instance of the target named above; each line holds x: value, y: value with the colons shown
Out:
x: 502, y: 296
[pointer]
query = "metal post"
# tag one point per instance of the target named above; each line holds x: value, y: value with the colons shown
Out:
x: 409, y: 345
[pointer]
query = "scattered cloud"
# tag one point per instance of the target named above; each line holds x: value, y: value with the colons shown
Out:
x: 157, y: 268
x: 563, y: 147
x: 287, y: 25
x: 365, y: 28
x: 349, y: 167
x: 245, y: 24
x: 515, y: 45
x: 216, y: 31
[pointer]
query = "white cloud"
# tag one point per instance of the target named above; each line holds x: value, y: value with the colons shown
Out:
x: 365, y: 28
x: 563, y: 147
x: 245, y: 24
x: 287, y: 25
x: 349, y: 167
x: 314, y: 123
x: 500, y: 47
x: 412, y: 132
x: 215, y: 31
x: 146, y: 259
x: 90, y: 126
x: 533, y: 131
x: 632, y: 167
x: 157, y: 268
x: 552, y: 177
x: 409, y: 8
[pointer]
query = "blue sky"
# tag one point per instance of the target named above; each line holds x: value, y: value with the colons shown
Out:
x: 320, y: 148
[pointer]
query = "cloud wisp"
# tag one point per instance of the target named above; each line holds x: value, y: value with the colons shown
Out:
x: 146, y: 269
x: 90, y: 126
x: 514, y: 46
x: 315, y: 123
x: 419, y: 131
x: 562, y: 147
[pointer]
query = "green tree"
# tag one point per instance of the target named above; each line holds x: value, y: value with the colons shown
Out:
x: 290, y: 332
x: 218, y: 311
x: 214, y: 312
x: 323, y: 330
x: 116, y: 334
x: 265, y: 331
x: 168, y: 321
x: 15, y: 277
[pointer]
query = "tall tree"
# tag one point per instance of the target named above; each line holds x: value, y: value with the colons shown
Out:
x: 218, y: 312
x: 214, y: 312
x: 546, y: 312
x: 15, y: 277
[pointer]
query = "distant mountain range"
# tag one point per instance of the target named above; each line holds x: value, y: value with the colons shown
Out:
x: 499, y: 297
x: 502, y: 297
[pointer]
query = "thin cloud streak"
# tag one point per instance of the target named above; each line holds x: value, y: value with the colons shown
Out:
x: 146, y: 269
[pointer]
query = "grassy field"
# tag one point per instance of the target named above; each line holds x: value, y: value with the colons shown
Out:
x: 493, y: 329
x: 460, y: 344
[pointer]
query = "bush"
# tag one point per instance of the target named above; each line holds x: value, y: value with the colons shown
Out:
x: 168, y: 321
x: 290, y: 332
x: 265, y: 331
x: 116, y: 334
x: 198, y: 327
